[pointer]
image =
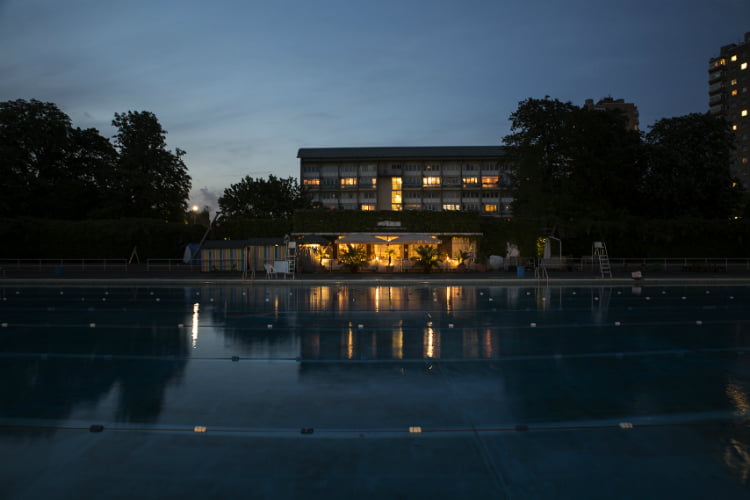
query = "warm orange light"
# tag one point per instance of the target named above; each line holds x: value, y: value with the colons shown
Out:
x: 431, y: 181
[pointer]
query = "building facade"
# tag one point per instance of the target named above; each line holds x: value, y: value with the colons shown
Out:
x: 468, y: 178
x: 629, y: 109
x: 729, y: 96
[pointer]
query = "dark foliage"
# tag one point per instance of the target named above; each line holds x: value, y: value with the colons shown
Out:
x: 50, y: 169
x: 95, y: 239
x: 263, y: 198
x: 575, y: 163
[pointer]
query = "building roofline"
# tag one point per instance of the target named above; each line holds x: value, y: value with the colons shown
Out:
x: 403, y: 153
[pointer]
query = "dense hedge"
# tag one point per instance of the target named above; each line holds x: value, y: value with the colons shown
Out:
x: 627, y: 237
x: 240, y: 228
x: 95, y: 239
x: 638, y: 237
x: 323, y: 221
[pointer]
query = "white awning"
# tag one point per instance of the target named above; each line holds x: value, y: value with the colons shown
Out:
x: 416, y: 239
x: 364, y: 238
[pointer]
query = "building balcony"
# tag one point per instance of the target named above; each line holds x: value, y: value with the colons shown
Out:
x: 716, y: 87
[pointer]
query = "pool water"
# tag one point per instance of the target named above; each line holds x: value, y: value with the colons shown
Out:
x: 335, y: 390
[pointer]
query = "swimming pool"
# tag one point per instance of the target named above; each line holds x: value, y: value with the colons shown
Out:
x: 448, y: 391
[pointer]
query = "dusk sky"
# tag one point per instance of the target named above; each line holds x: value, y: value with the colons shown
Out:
x: 242, y: 85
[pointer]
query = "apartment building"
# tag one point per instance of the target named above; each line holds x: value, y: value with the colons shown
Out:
x: 463, y: 178
x: 629, y: 109
x: 729, y: 96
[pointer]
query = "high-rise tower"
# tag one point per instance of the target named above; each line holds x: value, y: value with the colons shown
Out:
x: 729, y: 96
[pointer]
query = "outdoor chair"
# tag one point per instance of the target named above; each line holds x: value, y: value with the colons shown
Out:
x: 270, y: 271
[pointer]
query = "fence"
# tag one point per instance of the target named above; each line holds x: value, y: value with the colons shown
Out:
x: 585, y: 264
x: 681, y: 264
x: 57, y: 265
x: 172, y: 265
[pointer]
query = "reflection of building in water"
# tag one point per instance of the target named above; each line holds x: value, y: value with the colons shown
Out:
x: 480, y: 344
x: 242, y: 315
x: 737, y: 449
x: 348, y: 322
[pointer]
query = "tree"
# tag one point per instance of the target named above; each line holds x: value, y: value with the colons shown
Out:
x: 260, y: 198
x: 354, y: 257
x: 152, y: 181
x: 91, y: 177
x: 688, y: 168
x: 49, y: 169
x: 34, y: 143
x: 539, y: 143
x: 427, y: 257
x: 571, y: 162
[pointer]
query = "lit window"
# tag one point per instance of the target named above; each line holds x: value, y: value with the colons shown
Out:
x: 490, y: 180
x: 734, y: 127
x: 430, y: 181
x: 312, y: 182
x: 743, y: 112
x: 471, y: 181
x: 348, y: 181
x: 744, y: 160
x: 723, y: 61
x: 451, y: 206
x: 734, y: 58
x: 734, y: 81
x: 490, y: 207
x: 743, y: 65
x: 734, y: 92
x: 367, y: 208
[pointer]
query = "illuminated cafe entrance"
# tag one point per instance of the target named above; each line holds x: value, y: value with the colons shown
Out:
x: 386, y: 251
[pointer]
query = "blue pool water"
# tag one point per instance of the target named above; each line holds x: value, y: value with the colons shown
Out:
x: 419, y: 391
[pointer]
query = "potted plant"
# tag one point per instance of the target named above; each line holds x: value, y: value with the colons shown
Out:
x: 427, y: 257
x: 390, y: 252
x: 353, y: 257
x: 321, y: 252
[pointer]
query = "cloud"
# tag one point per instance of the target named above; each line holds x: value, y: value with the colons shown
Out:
x: 204, y: 197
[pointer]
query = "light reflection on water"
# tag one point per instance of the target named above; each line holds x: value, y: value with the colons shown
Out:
x: 338, y: 322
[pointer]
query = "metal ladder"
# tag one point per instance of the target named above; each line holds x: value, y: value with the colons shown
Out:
x: 541, y: 275
x: 600, y: 253
x: 291, y: 257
